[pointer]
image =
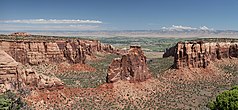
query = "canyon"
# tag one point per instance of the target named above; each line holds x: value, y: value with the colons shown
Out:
x: 75, y: 73
x: 17, y: 57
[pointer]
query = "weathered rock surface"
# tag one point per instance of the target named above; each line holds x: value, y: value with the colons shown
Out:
x: 131, y: 67
x: 8, y: 69
x: 15, y: 54
x: 13, y: 76
x: 198, y: 54
x: 40, y: 51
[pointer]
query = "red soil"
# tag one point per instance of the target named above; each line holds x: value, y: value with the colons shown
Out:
x: 64, y: 67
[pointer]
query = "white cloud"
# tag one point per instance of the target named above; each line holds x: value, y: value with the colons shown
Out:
x: 52, y: 21
x: 181, y: 28
x: 12, y: 27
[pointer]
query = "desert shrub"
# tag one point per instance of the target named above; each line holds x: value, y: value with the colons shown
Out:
x: 227, y: 100
x: 230, y: 68
x: 10, y: 101
x: 24, y: 92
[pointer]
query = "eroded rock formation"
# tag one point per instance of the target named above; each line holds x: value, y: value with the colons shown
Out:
x: 14, y: 76
x: 197, y: 54
x: 39, y: 51
x: 16, y: 53
x: 131, y: 67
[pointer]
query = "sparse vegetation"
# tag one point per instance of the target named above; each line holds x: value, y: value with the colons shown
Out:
x: 148, y: 44
x: 89, y: 79
x: 230, y: 68
x: 160, y: 65
x: 10, y: 101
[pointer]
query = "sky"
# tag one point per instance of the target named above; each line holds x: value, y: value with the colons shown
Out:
x: 118, y: 14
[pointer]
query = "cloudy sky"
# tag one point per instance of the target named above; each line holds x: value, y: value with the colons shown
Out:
x: 118, y: 14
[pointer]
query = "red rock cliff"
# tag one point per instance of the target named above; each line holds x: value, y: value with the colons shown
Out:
x: 199, y: 54
x: 39, y: 51
x: 132, y: 67
x: 13, y: 76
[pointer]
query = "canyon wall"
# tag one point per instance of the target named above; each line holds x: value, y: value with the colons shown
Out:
x: 13, y: 76
x: 131, y: 67
x: 16, y: 52
x: 39, y: 51
x: 198, y: 54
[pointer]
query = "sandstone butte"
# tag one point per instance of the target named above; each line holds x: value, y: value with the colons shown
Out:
x: 199, y: 54
x: 131, y: 67
x: 14, y: 54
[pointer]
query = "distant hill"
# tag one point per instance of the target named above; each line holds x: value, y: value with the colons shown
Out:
x: 140, y: 33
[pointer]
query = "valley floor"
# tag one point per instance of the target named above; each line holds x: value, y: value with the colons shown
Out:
x: 167, y: 89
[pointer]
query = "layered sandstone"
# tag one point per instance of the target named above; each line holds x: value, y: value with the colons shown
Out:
x: 131, y: 67
x: 13, y: 76
x: 198, y: 54
x: 40, y: 51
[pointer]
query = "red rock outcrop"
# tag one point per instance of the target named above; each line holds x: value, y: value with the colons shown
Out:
x: 13, y: 76
x: 197, y: 54
x: 131, y: 67
x: 96, y: 46
x: 39, y: 51
x: 32, y: 52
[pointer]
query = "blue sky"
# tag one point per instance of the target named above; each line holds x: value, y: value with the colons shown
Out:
x: 117, y: 14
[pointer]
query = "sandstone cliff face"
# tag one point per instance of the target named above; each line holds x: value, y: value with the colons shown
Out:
x: 200, y: 54
x: 13, y: 76
x: 36, y: 52
x: 72, y: 51
x: 32, y: 52
x: 131, y: 67
x: 96, y: 46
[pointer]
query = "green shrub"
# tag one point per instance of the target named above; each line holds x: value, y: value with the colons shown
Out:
x: 228, y: 100
x: 9, y: 101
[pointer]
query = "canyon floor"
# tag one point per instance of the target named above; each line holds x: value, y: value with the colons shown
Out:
x: 167, y: 89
